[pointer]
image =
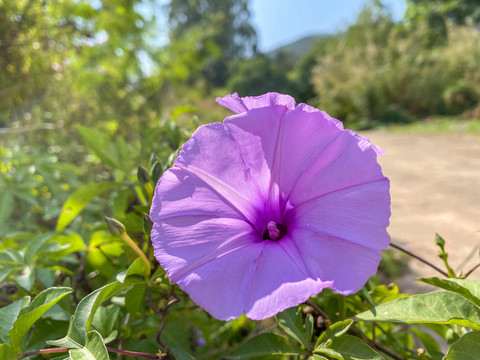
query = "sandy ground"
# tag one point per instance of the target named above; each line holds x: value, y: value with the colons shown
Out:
x: 435, y: 188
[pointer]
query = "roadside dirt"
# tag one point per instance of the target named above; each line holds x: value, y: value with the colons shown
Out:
x: 435, y: 188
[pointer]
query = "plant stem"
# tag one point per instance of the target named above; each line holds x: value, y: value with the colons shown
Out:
x: 419, y: 258
x: 132, y: 353
x: 64, y: 349
x: 45, y: 351
x: 471, y: 271
x: 318, y: 308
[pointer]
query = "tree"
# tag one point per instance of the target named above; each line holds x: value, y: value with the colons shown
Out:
x: 227, y: 23
x: 458, y: 11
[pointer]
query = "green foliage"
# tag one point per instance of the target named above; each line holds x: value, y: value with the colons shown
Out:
x: 94, y: 349
x: 434, y: 308
x: 466, y: 348
x: 257, y: 76
x: 88, y: 122
x: 264, y: 344
x: 228, y: 33
x: 379, y: 72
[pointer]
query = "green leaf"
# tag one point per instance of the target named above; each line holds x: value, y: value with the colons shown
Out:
x: 291, y: 322
x: 25, y: 277
x: 137, y: 268
x: 466, y: 348
x: 89, y: 304
x: 8, y: 316
x: 32, y: 312
x: 72, y: 340
x: 469, y: 289
x: 35, y: 244
x: 7, y: 353
x: 429, y: 343
x: 135, y: 298
x: 314, y: 357
x: 69, y: 243
x: 79, y: 199
x: 264, y: 344
x: 184, y: 109
x: 309, y: 328
x: 333, y: 331
x: 181, y: 354
x: 348, y: 347
x: 6, y: 205
x: 94, y: 349
x: 443, y: 307
x: 101, y: 144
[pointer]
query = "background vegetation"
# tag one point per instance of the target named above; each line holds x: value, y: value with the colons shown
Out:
x: 92, y: 111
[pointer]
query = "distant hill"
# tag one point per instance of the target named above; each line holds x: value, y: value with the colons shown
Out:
x: 296, y: 48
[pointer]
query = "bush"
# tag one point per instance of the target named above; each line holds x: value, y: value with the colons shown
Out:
x: 379, y: 71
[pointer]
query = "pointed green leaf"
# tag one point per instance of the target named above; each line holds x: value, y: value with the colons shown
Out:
x: 465, y: 348
x: 72, y: 340
x: 79, y: 199
x: 7, y: 353
x: 25, y: 277
x: 35, y: 244
x: 138, y: 268
x: 32, y: 312
x: 94, y: 349
x: 181, y: 354
x: 101, y: 144
x: 135, y: 298
x: 6, y: 205
x: 309, y: 329
x: 469, y: 289
x: 8, y: 316
x: 291, y: 322
x: 429, y: 343
x: 317, y: 357
x: 264, y: 344
x: 348, y: 347
x: 443, y: 307
x: 88, y: 305
x: 333, y: 331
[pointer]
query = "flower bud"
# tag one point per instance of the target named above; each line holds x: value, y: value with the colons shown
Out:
x: 115, y: 227
x: 143, y: 175
x: 147, y: 223
x: 156, y: 172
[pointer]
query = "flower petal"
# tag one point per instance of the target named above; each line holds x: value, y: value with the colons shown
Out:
x: 359, y: 214
x: 213, y: 156
x: 330, y: 258
x: 342, y: 164
x: 220, y: 286
x: 180, y: 193
x: 280, y: 281
x: 240, y: 105
x: 306, y: 133
x: 183, y: 243
x: 257, y: 134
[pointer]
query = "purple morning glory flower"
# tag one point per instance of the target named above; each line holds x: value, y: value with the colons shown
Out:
x: 270, y: 207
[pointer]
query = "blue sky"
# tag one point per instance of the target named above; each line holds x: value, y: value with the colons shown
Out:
x: 279, y: 22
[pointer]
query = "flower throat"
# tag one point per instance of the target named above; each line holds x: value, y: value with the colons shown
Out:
x: 274, y: 231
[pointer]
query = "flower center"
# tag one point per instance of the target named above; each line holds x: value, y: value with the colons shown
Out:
x: 274, y: 231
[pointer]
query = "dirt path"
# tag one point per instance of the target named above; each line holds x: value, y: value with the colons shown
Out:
x: 435, y: 188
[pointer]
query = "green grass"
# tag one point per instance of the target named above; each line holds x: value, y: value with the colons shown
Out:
x: 439, y: 125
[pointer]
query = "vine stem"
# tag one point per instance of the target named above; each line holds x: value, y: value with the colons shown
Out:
x: 471, y: 271
x: 45, y: 351
x: 64, y: 349
x: 132, y: 353
x: 426, y: 262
